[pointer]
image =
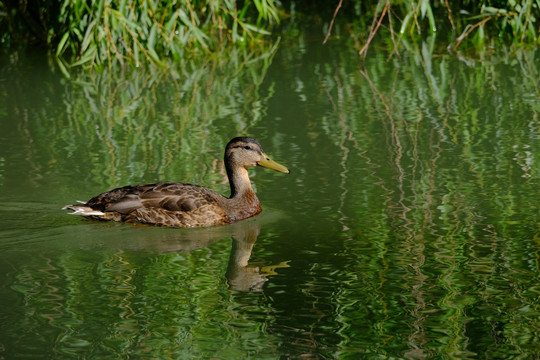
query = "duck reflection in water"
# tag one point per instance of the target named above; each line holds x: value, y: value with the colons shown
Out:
x: 242, y: 276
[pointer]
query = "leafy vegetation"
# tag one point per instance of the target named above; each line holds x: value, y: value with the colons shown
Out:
x: 480, y: 23
x: 118, y: 110
x: 141, y: 33
x: 135, y: 33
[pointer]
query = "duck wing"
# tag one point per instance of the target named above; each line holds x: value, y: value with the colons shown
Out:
x: 170, y: 204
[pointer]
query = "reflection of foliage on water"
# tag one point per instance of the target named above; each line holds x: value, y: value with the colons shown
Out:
x: 133, y: 127
x: 414, y: 207
x: 145, y: 125
x: 442, y: 188
x: 167, y: 296
x: 118, y: 304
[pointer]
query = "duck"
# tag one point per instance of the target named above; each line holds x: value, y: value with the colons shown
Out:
x: 178, y: 204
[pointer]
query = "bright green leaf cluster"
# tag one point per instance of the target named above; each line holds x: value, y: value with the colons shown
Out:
x: 134, y: 33
x: 453, y: 22
x: 139, y: 32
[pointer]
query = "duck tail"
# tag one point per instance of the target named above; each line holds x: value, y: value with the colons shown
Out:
x: 83, y: 210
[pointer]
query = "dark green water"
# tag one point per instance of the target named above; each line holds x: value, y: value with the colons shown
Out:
x: 408, y: 227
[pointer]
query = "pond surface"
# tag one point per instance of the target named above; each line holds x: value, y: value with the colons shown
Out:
x: 408, y: 227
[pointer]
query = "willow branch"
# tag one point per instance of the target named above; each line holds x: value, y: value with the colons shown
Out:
x: 471, y: 28
x: 449, y: 14
x: 332, y: 22
x: 373, y: 31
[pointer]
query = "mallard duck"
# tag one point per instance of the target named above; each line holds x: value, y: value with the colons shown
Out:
x: 186, y: 205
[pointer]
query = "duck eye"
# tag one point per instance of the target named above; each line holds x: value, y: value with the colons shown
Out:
x: 247, y: 147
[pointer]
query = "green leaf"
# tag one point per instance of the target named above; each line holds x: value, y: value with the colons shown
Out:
x: 184, y: 18
x: 256, y: 29
x: 152, y: 37
x: 154, y: 56
x: 62, y: 67
x: 88, y: 36
x: 87, y: 56
x: 405, y: 23
x: 169, y: 25
x: 423, y: 7
x: 62, y: 44
x: 136, y: 52
x: 431, y: 18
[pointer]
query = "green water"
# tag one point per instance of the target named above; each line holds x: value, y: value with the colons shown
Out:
x: 408, y: 227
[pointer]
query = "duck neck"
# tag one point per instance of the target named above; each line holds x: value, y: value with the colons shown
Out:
x: 246, y: 202
x: 239, y: 182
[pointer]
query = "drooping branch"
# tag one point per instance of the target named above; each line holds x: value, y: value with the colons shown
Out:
x: 470, y: 28
x: 332, y: 22
x: 374, y: 29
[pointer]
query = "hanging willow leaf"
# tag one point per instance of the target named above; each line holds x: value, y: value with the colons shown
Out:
x: 62, y: 44
x: 405, y: 23
x: 62, y: 67
x: 256, y: 29
x: 88, y: 55
x: 88, y: 35
x: 152, y: 37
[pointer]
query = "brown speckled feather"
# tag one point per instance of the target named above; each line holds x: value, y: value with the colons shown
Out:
x: 167, y: 204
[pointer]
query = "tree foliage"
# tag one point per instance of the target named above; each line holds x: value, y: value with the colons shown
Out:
x: 135, y: 32
x: 478, y: 23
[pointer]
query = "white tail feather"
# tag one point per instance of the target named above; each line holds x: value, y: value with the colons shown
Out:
x: 83, y: 210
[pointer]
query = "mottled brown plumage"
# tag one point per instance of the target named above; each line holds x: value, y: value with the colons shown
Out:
x: 186, y: 205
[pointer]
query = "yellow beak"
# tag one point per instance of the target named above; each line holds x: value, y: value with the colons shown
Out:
x: 271, y: 164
